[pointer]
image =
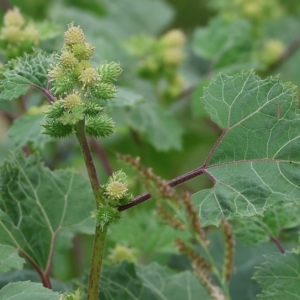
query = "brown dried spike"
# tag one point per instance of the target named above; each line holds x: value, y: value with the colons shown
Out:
x: 201, y: 266
x: 229, y: 242
x: 193, y: 218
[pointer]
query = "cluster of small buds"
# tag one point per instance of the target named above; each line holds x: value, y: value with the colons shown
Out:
x: 17, y: 36
x: 105, y: 215
x: 116, y: 190
x: 160, y: 60
x: 80, y: 88
x: 257, y: 11
x: 122, y: 253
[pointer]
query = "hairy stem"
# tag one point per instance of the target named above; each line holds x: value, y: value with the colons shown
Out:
x: 88, y: 159
x: 100, y: 233
x: 96, y: 263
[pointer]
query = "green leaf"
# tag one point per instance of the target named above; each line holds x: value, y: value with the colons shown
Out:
x: 197, y: 106
x: 279, y: 276
x: 27, y: 291
x: 259, y: 229
x: 160, y: 128
x: 23, y: 72
x: 220, y: 36
x: 160, y: 238
x: 10, y: 259
x: 27, y: 129
x: 125, y: 97
x: 255, y: 162
x: 227, y: 44
x: 35, y: 204
x: 153, y: 282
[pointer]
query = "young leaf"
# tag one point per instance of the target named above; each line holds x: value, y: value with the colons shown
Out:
x: 23, y: 72
x: 161, y: 129
x: 35, y: 204
x: 27, y: 129
x: 279, y: 277
x: 27, y: 291
x: 152, y: 282
x: 255, y: 162
x: 259, y: 229
x: 10, y: 259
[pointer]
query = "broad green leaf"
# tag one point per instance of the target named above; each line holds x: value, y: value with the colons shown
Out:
x: 27, y: 129
x: 148, y: 237
x: 255, y: 162
x: 279, y: 276
x: 152, y: 282
x: 227, y: 44
x: 23, y: 72
x: 10, y: 259
x: 160, y: 128
x: 35, y: 204
x: 27, y: 291
x: 259, y: 229
x: 220, y: 36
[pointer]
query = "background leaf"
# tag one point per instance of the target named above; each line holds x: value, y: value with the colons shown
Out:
x: 153, y: 282
x: 279, y: 276
x: 27, y: 291
x: 259, y: 229
x: 160, y: 128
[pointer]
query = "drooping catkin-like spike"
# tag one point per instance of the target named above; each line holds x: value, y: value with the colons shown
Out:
x: 193, y: 218
x: 201, y: 266
x: 229, y: 242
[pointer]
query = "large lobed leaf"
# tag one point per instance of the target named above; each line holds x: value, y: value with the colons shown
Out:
x: 153, y: 282
x: 23, y: 72
x: 255, y: 162
x: 279, y: 277
x: 35, y: 204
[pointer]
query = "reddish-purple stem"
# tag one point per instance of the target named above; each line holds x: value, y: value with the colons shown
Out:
x: 278, y: 243
x: 102, y: 156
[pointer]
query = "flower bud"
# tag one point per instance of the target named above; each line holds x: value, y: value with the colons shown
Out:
x: 13, y: 17
x: 74, y: 35
x: 72, y: 100
x: 173, y: 38
x: 121, y: 253
x: 83, y: 51
x: 68, y: 60
x: 89, y: 76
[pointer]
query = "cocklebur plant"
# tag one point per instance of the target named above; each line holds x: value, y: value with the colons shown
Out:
x: 253, y: 166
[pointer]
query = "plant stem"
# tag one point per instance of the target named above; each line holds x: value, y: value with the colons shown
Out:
x: 100, y: 233
x: 88, y: 159
x: 278, y: 243
x: 96, y: 263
